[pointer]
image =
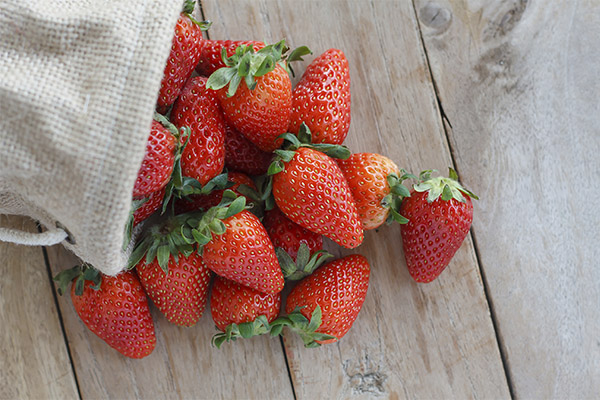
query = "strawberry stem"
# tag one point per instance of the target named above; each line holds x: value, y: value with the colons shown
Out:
x: 448, y: 188
x: 304, y: 265
x: 246, y: 330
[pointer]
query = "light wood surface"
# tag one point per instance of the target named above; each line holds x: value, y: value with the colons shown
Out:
x: 518, y: 82
x: 34, y: 362
x: 507, y: 93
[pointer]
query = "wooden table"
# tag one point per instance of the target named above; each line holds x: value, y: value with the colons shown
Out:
x: 507, y: 93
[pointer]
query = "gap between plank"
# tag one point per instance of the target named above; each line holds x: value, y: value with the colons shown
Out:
x: 287, y: 366
x: 444, y: 117
x: 59, y: 313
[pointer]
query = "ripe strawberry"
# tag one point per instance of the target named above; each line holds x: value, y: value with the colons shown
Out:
x: 321, y: 99
x: 324, y: 305
x: 298, y: 250
x: 312, y: 191
x: 240, y: 311
x: 185, y: 52
x: 113, y: 307
x: 206, y: 201
x: 376, y: 185
x: 288, y: 235
x: 439, y: 218
x: 260, y: 106
x: 196, y: 108
x: 244, y: 254
x: 173, y: 274
x: 156, y: 168
x: 179, y: 291
x: 148, y: 206
x: 211, y: 58
x: 242, y: 155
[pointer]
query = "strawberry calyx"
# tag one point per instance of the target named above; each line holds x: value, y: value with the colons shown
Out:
x: 163, y: 241
x: 188, y: 9
x: 200, y: 227
x: 292, y: 142
x: 247, y: 64
x: 305, y: 263
x: 305, y: 328
x: 246, y: 330
x: 79, y: 274
x: 446, y: 188
x: 393, y: 200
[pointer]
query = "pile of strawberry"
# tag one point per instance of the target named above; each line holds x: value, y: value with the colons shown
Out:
x: 242, y: 178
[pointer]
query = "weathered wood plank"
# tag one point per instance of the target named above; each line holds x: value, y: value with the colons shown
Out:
x: 518, y: 81
x: 183, y: 365
x: 421, y: 341
x: 34, y: 362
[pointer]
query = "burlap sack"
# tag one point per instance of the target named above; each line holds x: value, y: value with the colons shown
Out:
x: 78, y: 84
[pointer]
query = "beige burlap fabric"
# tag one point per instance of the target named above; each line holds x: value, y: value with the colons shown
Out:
x: 78, y: 84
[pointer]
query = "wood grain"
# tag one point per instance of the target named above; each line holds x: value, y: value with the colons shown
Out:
x: 518, y: 82
x: 34, y: 362
x: 183, y: 365
x: 410, y: 341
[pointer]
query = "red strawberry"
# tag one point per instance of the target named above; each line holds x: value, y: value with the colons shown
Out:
x: 329, y: 300
x: 206, y: 201
x: 185, y: 52
x: 172, y: 272
x: 113, y: 307
x: 196, y: 108
x: 298, y: 250
x: 261, y: 114
x: 180, y: 291
x: 150, y: 205
x: 243, y: 155
x: 258, y: 100
x: 288, y: 235
x: 312, y: 192
x: 439, y: 218
x: 157, y: 165
x: 321, y: 99
x: 244, y: 253
x: 240, y: 311
x: 211, y: 59
x: 376, y: 185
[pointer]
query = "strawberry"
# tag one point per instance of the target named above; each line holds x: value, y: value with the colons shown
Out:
x: 288, y: 235
x: 240, y: 311
x: 211, y: 58
x: 156, y: 168
x: 324, y: 305
x: 321, y: 99
x: 235, y: 245
x: 180, y: 290
x: 186, y: 48
x: 196, y: 108
x: 172, y: 273
x: 206, y: 201
x: 147, y: 206
x: 260, y: 106
x: 439, y: 213
x: 242, y: 155
x: 245, y: 254
x: 115, y: 308
x: 376, y: 185
x: 310, y: 189
x: 298, y: 250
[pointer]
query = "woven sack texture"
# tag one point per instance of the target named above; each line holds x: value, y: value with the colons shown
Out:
x: 78, y: 84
